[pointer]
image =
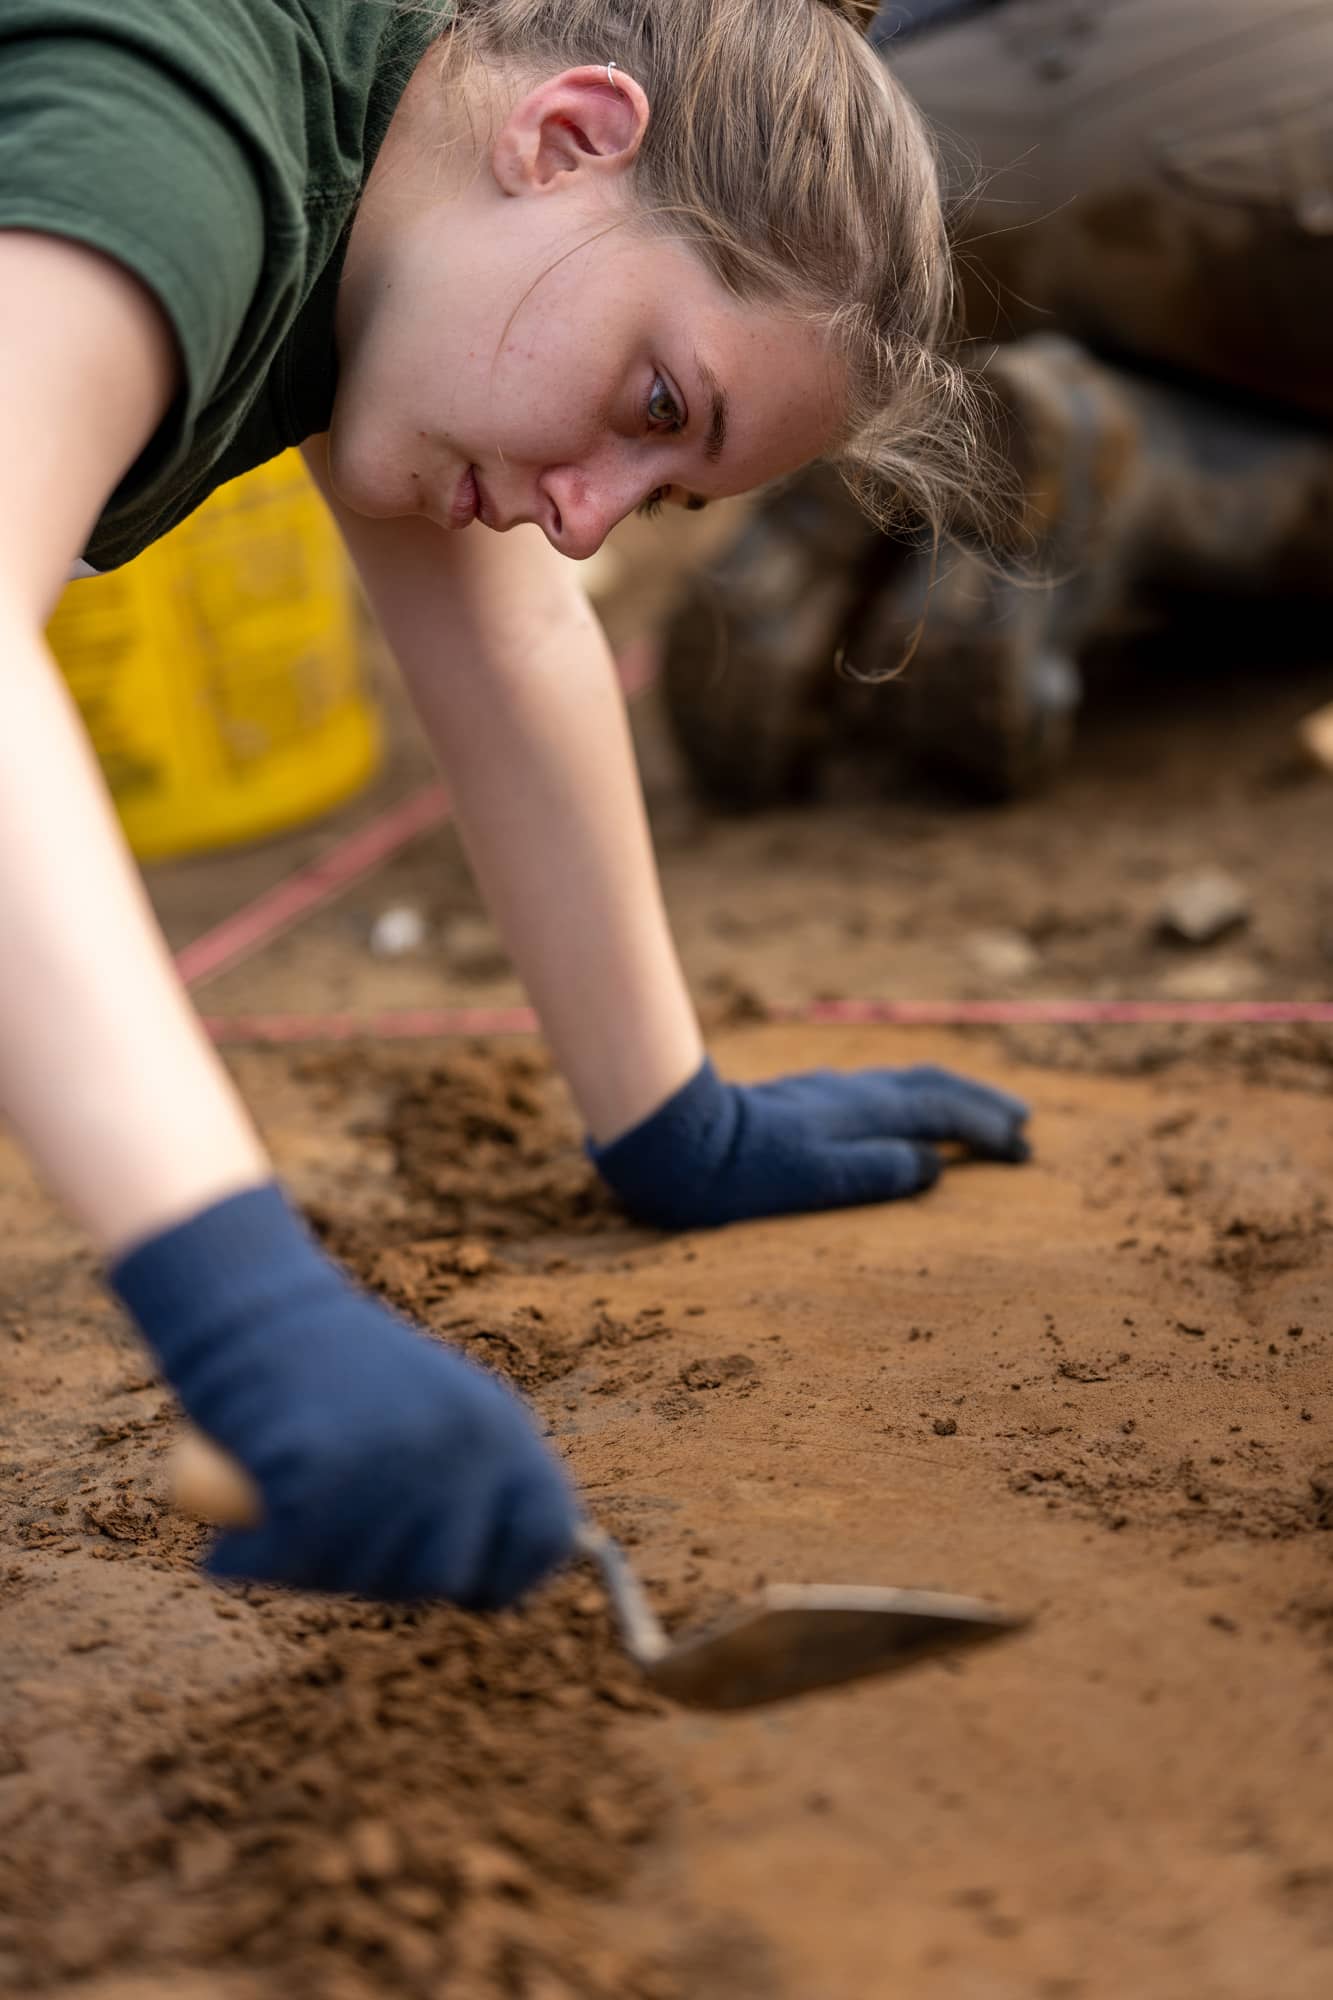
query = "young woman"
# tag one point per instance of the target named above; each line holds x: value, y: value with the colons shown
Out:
x: 527, y: 264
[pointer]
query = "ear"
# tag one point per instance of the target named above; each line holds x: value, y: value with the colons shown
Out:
x: 584, y: 121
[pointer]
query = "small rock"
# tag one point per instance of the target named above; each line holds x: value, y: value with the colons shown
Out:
x: 492, y: 1871
x: 396, y: 931
x: 470, y: 1257
x: 712, y: 1373
x: 330, y: 1867
x: 945, y: 1427
x: 1002, y: 955
x: 416, y: 1901
x: 1197, y: 908
x: 376, y: 1851
x: 87, y: 1642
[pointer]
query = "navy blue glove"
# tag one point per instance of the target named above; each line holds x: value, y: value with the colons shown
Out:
x: 388, y: 1465
x: 721, y: 1152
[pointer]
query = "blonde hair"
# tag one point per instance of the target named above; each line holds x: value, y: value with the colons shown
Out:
x: 783, y: 151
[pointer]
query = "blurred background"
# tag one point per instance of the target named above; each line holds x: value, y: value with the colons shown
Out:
x: 1103, y: 769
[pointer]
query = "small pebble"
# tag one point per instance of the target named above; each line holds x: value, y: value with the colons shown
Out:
x: 396, y: 931
x: 1001, y: 955
x: 376, y: 1850
x: 1196, y: 908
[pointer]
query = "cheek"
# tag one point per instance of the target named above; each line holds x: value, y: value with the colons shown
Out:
x: 547, y: 402
x: 559, y: 373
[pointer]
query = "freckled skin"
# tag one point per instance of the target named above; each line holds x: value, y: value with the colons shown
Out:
x: 537, y: 365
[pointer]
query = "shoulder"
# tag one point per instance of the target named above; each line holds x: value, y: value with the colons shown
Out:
x: 87, y: 373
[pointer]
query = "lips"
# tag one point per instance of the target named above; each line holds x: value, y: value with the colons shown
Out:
x: 467, y: 501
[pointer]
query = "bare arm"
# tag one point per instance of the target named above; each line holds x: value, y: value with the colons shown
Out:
x: 104, y: 1070
x: 515, y: 684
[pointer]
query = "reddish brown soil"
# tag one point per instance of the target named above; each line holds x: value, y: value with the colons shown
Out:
x: 1133, y: 1340
x: 1097, y: 1388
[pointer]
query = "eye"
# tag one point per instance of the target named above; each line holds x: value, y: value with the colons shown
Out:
x: 664, y: 412
x: 653, y: 504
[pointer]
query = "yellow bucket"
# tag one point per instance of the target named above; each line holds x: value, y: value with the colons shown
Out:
x: 219, y: 674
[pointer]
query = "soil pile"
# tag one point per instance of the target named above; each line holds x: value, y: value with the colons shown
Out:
x: 415, y: 1803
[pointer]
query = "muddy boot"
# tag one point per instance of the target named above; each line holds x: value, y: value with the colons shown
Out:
x: 1132, y: 493
x: 749, y: 651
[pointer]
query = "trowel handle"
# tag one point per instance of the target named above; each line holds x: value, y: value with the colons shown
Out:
x: 645, y: 1640
x: 208, y: 1483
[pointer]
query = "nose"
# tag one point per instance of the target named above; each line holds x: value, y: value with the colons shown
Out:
x: 583, y: 506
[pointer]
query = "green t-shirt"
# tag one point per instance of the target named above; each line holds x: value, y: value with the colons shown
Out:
x: 218, y: 149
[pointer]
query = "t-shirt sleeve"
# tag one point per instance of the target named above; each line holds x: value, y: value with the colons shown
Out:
x: 101, y: 143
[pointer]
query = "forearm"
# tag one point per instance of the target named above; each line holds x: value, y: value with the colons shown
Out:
x: 105, y: 1073
x: 528, y: 721
x: 519, y: 695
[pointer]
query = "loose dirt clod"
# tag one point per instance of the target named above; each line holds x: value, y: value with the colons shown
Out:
x: 418, y: 1790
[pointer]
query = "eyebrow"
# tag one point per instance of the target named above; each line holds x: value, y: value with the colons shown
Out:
x: 715, y: 442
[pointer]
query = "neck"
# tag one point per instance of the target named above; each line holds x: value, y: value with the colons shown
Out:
x: 431, y: 155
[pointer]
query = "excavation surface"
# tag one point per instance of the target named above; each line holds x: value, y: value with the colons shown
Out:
x: 1096, y: 1388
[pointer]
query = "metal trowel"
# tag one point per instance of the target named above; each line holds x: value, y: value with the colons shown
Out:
x: 790, y: 1639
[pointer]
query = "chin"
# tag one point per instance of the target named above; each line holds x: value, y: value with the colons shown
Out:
x: 367, y: 483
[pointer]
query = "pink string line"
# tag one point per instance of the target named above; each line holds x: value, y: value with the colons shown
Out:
x: 240, y: 936
x: 442, y: 1023
x: 407, y: 1024
x: 1062, y: 1013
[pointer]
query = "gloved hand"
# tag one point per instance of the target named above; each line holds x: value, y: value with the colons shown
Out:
x: 721, y: 1152
x: 388, y: 1465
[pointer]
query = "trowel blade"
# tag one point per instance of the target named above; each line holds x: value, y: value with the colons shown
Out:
x: 792, y: 1640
